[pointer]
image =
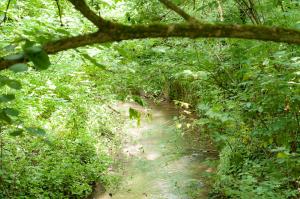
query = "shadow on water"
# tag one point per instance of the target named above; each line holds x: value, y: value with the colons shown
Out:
x: 160, y: 163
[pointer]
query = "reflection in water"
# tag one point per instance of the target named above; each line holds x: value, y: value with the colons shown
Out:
x: 159, y: 162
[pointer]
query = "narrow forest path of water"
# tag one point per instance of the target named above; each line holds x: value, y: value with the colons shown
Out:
x: 160, y: 163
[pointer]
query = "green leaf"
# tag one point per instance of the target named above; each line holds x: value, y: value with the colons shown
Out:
x: 10, y: 82
x: 14, y: 84
x: 4, y: 117
x: 11, y: 111
x: 3, y: 80
x: 10, y: 47
x: 282, y: 155
x: 18, y: 68
x: 33, y: 49
x: 36, y: 131
x: 139, y: 100
x: 7, y: 98
x: 14, y: 57
x: 16, y: 133
x: 134, y: 114
x: 297, y: 25
x: 38, y: 56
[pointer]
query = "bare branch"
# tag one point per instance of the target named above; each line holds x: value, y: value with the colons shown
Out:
x: 59, y: 12
x: 178, y: 10
x: 5, y: 12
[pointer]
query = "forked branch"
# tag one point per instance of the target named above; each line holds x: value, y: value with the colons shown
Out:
x: 84, y: 9
x: 178, y: 10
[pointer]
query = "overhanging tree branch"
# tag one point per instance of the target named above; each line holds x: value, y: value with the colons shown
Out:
x: 110, y: 31
x: 193, y: 30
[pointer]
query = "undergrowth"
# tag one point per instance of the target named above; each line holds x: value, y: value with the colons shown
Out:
x: 76, y: 150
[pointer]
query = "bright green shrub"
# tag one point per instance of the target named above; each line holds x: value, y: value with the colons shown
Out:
x: 63, y: 166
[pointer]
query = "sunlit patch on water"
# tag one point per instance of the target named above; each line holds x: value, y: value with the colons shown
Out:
x: 152, y: 155
x: 158, y: 162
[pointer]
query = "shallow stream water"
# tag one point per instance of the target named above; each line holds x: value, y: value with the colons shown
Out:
x: 159, y: 161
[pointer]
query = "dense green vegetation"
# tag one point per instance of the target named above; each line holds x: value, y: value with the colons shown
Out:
x: 58, y: 130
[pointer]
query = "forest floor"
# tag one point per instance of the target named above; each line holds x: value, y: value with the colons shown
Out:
x: 160, y: 160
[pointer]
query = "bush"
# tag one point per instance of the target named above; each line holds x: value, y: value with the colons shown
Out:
x: 63, y: 166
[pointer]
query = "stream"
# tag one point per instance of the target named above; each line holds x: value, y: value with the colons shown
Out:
x: 160, y: 162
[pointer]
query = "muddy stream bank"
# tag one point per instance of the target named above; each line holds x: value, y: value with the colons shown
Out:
x: 160, y: 161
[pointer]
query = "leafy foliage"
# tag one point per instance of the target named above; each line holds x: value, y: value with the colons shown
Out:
x: 56, y: 131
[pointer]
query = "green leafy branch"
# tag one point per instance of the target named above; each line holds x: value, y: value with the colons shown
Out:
x: 109, y: 31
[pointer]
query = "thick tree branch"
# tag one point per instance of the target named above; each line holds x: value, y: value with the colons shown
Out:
x: 84, y: 9
x: 190, y: 30
x: 178, y: 10
x: 178, y: 30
